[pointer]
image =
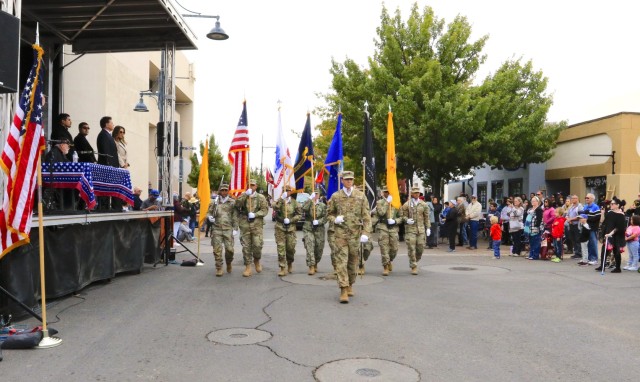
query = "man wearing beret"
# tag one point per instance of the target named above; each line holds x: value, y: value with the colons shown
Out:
x: 349, y: 211
x: 388, y: 219
x: 252, y: 207
x: 287, y: 214
x: 223, y: 218
x: 415, y: 214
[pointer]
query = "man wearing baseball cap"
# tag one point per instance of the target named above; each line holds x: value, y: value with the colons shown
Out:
x: 152, y: 203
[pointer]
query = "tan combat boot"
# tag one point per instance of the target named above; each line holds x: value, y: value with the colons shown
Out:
x: 229, y: 267
x: 350, y: 290
x: 283, y: 271
x: 312, y: 271
x: 258, y: 265
x: 344, y: 296
x: 218, y: 271
x: 247, y: 271
x: 385, y: 271
x: 390, y: 266
x: 290, y: 268
x: 414, y: 271
x: 361, y: 270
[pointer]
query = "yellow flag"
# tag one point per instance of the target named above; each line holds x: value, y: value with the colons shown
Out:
x: 392, y: 179
x: 204, y: 190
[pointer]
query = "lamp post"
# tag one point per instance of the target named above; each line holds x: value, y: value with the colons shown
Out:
x: 180, y: 168
x: 613, y: 160
x: 216, y: 33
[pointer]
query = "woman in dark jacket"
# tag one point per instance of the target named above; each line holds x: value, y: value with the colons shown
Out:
x: 614, y: 227
x: 534, y: 227
x: 451, y: 225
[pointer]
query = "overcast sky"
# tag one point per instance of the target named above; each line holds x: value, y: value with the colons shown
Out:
x: 282, y: 50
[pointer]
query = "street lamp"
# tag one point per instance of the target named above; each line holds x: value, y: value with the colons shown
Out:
x: 216, y: 33
x: 180, y: 169
x: 613, y: 160
x: 140, y: 106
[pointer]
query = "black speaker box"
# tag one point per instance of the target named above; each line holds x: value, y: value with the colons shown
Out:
x: 160, y: 139
x: 9, y: 48
x: 176, y: 140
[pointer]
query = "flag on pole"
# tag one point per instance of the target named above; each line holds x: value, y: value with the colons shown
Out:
x: 269, y: 177
x: 369, y: 163
x: 304, y: 159
x: 392, y: 179
x: 334, y: 162
x: 283, y: 173
x: 239, y: 154
x: 20, y: 159
x: 204, y: 187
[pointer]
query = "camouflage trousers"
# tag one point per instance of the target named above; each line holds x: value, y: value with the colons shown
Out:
x: 314, y: 245
x: 331, y: 239
x: 285, y: 243
x: 252, y: 240
x: 222, y: 239
x: 347, y: 258
x: 415, y: 244
x: 388, y: 242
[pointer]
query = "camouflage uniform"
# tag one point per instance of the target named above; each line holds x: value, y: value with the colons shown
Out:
x: 357, y: 221
x: 286, y: 234
x: 251, y: 233
x: 388, y: 239
x: 226, y: 220
x: 415, y: 234
x: 331, y: 239
x: 314, y: 236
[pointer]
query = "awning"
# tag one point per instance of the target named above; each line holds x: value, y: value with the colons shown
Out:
x: 101, y: 26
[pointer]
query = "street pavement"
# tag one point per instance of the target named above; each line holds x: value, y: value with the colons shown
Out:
x: 465, y: 317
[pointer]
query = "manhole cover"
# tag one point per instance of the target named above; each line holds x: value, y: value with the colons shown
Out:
x: 238, y: 336
x: 463, y: 268
x: 328, y: 279
x: 365, y: 369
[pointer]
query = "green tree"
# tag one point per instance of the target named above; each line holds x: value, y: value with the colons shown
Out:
x: 444, y: 124
x: 218, y: 166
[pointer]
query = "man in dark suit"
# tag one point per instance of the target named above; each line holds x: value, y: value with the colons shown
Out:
x: 107, y: 145
x: 82, y: 145
x: 60, y: 130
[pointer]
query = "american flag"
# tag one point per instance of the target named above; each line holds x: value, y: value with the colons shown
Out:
x: 20, y: 159
x: 239, y: 154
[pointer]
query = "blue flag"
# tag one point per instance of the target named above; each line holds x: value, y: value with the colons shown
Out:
x: 334, y: 162
x: 304, y: 158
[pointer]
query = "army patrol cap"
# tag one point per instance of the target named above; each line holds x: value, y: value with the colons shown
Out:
x: 415, y: 189
x: 347, y: 175
x: 253, y: 182
x: 384, y: 189
x: 224, y: 187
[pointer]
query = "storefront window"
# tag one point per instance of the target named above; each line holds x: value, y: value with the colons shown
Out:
x: 515, y: 187
x: 482, y: 194
x: 497, y: 191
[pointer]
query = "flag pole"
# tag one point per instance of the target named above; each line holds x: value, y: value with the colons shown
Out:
x: 313, y: 185
x: 198, y: 263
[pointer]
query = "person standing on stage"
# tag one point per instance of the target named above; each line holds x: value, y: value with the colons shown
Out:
x: 388, y: 220
x: 106, y: 144
x: 121, y: 145
x: 315, y: 212
x: 82, y: 145
x: 223, y: 217
x: 252, y: 207
x: 287, y: 214
x: 60, y: 131
x: 415, y: 214
x: 349, y: 211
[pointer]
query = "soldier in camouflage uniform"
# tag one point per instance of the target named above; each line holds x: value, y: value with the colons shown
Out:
x: 349, y: 211
x: 252, y: 207
x: 223, y: 218
x: 287, y: 214
x: 388, y: 218
x: 415, y: 214
x: 315, y: 213
x: 331, y: 239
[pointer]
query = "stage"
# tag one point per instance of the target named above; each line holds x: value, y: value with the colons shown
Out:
x: 80, y: 249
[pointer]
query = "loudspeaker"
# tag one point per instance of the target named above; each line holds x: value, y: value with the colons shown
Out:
x: 160, y: 139
x: 9, y: 46
x: 176, y: 140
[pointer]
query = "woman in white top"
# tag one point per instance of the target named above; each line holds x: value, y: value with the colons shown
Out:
x: 121, y: 145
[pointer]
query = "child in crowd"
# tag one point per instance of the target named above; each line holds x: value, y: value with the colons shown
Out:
x: 584, y: 239
x: 557, y: 233
x: 496, y: 236
x: 493, y: 211
x: 631, y: 236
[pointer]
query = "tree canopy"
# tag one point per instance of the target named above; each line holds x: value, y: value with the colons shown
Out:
x: 218, y: 166
x: 424, y: 70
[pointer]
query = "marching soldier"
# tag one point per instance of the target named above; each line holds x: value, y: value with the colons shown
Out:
x: 415, y: 214
x: 287, y: 214
x: 252, y: 207
x: 388, y: 218
x: 223, y: 218
x: 349, y: 211
x: 315, y: 213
